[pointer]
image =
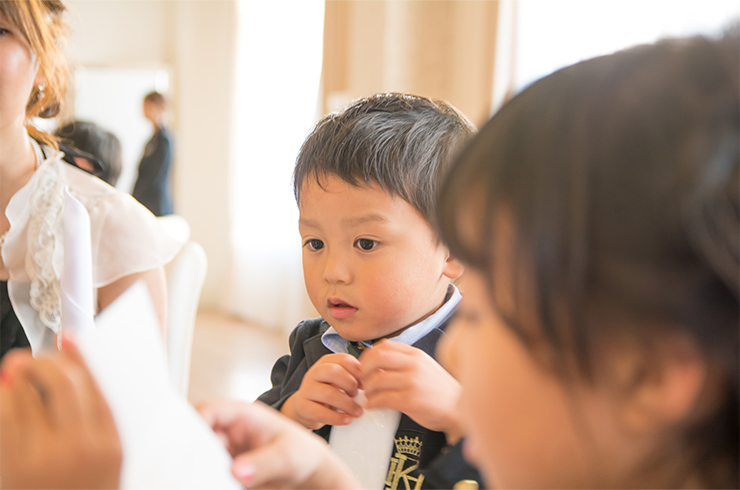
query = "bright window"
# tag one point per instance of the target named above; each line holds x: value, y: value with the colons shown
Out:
x: 279, y: 50
x: 553, y: 34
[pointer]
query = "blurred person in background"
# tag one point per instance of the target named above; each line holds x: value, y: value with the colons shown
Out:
x: 98, y: 150
x: 152, y: 188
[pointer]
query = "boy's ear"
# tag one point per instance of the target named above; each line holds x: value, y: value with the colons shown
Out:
x: 453, y: 268
x: 662, y: 388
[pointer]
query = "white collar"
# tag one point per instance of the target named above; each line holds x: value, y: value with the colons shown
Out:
x: 337, y: 344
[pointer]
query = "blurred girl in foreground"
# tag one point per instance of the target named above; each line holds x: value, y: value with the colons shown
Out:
x: 597, y: 344
x: 598, y: 215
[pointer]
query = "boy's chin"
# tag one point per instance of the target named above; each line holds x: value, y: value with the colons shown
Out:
x: 352, y: 336
x: 358, y: 334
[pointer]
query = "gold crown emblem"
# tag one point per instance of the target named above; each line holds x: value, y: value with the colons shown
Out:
x: 412, y: 447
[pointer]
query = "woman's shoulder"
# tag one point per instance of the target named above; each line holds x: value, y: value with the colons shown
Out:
x: 110, y: 209
x: 126, y: 237
x: 94, y: 193
x: 84, y: 183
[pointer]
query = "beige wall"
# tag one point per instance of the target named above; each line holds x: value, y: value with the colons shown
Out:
x: 440, y: 49
x: 193, y: 40
x: 121, y: 33
x: 204, y: 76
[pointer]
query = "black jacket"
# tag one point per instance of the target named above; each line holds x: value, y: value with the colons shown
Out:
x: 152, y: 184
x: 440, y: 465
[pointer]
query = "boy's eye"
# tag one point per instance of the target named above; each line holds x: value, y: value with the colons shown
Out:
x: 314, y: 244
x: 366, y: 244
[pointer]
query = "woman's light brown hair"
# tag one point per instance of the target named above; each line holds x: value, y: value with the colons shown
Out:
x: 41, y: 24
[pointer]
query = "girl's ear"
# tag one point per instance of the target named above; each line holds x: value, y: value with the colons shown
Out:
x: 663, y: 388
x: 453, y: 268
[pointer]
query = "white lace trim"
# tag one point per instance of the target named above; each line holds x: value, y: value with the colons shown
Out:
x: 45, y: 245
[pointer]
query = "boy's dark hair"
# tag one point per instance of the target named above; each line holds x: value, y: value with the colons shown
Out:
x: 101, y: 144
x: 155, y: 98
x: 404, y: 143
x: 619, y: 178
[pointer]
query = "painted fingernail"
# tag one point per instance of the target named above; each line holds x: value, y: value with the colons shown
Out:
x: 243, y: 472
x: 67, y: 341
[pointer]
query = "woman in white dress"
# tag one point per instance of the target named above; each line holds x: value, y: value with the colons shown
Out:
x: 126, y: 242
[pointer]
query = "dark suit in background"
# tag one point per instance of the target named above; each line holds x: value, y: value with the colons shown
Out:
x: 152, y: 184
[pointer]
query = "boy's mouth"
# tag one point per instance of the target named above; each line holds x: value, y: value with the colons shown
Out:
x: 339, y: 309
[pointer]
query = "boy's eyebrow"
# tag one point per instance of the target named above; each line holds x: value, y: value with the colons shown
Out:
x: 365, y: 219
x: 308, y: 223
x: 348, y: 222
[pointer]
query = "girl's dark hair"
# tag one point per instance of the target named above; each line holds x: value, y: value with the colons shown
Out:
x: 404, y: 143
x: 102, y: 144
x: 619, y: 178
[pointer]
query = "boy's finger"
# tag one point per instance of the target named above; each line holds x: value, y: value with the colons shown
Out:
x: 315, y: 414
x: 382, y: 380
x: 337, y: 376
x: 388, y: 356
x: 348, y: 362
x: 325, y: 415
x: 393, y: 399
x: 328, y: 395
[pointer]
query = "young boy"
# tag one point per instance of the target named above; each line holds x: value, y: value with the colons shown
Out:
x: 365, y: 181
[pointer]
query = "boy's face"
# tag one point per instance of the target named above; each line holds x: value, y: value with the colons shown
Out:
x: 371, y: 263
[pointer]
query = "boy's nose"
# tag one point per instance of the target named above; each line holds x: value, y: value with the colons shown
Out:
x: 336, y: 269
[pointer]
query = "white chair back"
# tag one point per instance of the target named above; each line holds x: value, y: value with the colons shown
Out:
x: 176, y: 226
x: 185, y: 276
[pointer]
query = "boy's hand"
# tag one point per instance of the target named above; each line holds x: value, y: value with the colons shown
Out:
x: 326, y: 393
x: 404, y: 378
x: 271, y: 451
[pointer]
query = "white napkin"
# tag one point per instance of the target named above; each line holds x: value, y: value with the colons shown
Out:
x: 165, y: 443
x: 78, y: 306
x: 366, y: 444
